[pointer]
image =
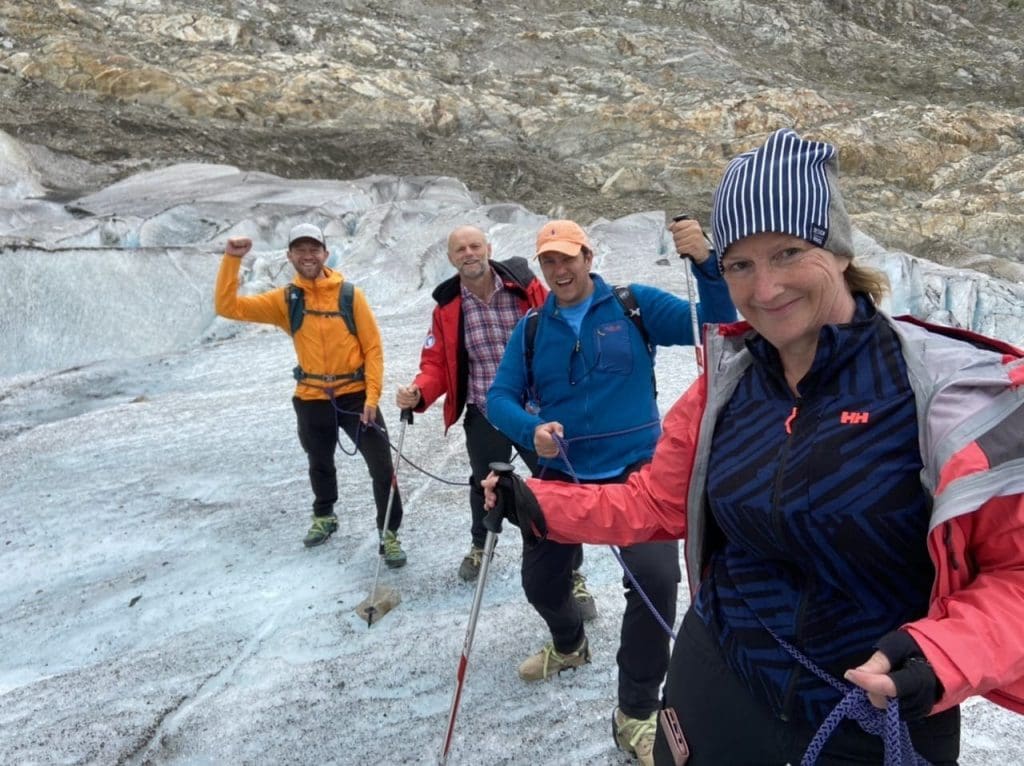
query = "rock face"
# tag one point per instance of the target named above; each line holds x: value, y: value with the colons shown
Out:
x: 592, y: 109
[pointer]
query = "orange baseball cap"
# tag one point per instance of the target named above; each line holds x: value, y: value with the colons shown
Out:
x: 562, y: 237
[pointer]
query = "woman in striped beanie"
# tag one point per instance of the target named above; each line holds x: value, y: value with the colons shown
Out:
x: 851, y: 490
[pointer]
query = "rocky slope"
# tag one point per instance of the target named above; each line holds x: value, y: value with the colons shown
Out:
x: 594, y: 109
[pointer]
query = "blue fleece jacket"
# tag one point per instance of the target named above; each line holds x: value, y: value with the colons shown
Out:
x: 600, y: 384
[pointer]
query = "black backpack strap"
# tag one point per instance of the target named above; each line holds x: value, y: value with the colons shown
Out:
x: 295, y: 301
x: 532, y: 319
x: 345, y: 299
x: 632, y: 311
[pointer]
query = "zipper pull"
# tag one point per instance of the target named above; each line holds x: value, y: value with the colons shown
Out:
x: 791, y: 418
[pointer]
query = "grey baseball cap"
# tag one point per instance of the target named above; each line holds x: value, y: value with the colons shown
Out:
x: 306, y: 231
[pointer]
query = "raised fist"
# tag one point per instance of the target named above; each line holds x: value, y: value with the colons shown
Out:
x: 238, y: 246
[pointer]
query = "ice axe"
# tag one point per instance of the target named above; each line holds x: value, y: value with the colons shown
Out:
x: 693, y: 303
x: 492, y: 520
x: 383, y: 599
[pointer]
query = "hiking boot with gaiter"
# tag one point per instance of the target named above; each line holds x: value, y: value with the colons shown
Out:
x: 549, y: 662
x: 469, y: 569
x: 635, y: 735
x: 394, y: 556
x: 323, y: 527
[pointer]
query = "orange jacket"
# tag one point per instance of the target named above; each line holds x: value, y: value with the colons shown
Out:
x: 323, y: 344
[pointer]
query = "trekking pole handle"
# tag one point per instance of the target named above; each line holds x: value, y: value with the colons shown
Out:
x: 694, y: 323
x: 502, y: 469
x: 686, y: 217
x: 682, y: 217
x: 406, y: 416
x: 493, y: 518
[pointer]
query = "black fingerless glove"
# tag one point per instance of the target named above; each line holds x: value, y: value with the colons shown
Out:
x: 917, y: 686
x: 519, y: 505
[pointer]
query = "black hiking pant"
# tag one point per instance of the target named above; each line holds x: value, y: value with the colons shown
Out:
x: 485, y: 445
x: 318, y: 423
x: 725, y: 725
x: 643, y: 653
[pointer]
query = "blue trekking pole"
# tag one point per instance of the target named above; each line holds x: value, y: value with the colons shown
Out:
x: 492, y: 520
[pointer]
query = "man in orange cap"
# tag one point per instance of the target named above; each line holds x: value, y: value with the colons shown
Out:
x: 586, y: 377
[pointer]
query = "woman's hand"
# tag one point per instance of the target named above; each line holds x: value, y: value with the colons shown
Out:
x: 873, y: 677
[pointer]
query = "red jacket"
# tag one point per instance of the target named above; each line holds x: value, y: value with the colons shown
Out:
x: 444, y: 366
x: 971, y: 415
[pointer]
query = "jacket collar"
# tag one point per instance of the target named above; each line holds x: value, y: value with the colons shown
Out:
x: 838, y: 345
x: 513, y: 272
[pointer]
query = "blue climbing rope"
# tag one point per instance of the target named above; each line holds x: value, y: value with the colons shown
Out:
x: 563, y: 445
x: 855, y: 705
x: 338, y: 411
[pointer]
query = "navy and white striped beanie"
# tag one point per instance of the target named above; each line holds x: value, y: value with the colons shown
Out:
x: 787, y: 186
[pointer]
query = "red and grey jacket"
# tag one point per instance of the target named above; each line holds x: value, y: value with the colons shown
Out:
x: 969, y: 394
x: 444, y: 364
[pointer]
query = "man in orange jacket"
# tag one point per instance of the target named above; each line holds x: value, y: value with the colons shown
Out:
x: 339, y: 375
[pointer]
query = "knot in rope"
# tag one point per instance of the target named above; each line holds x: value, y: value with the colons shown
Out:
x: 898, y: 749
x: 886, y: 724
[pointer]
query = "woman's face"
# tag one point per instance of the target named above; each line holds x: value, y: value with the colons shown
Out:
x: 788, y: 289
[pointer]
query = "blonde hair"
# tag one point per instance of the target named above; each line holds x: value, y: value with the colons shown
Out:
x: 862, y: 279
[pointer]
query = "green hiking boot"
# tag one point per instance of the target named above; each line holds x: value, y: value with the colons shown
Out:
x: 323, y: 527
x: 588, y: 609
x: 469, y: 569
x: 549, y: 662
x: 394, y: 556
x: 635, y: 735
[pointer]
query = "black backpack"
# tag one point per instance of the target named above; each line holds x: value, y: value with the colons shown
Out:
x: 630, y: 309
x: 295, y: 300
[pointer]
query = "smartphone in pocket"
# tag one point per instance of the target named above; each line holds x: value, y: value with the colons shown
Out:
x: 674, y: 736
